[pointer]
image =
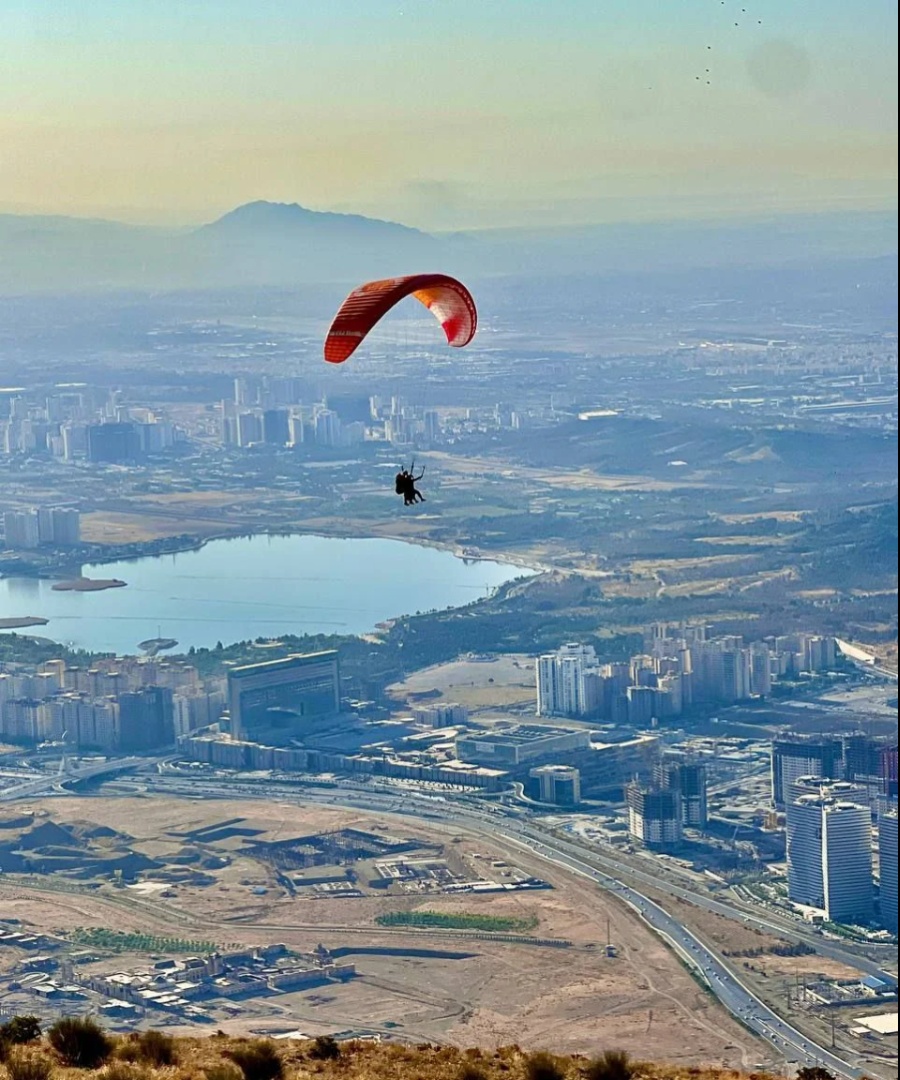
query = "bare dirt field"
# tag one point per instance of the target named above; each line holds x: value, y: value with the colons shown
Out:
x: 573, y: 998
x: 581, y: 480
x: 503, y: 683
x: 107, y: 527
x: 733, y: 939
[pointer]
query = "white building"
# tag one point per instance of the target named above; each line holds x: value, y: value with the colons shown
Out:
x: 66, y: 526
x: 21, y: 529
x: 560, y: 680
x: 819, y: 653
x: 328, y: 428
x: 829, y: 856
x: 296, y: 429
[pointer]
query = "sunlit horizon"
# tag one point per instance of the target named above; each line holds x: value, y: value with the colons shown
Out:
x: 443, y: 118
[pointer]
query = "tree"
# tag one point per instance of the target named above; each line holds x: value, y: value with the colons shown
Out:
x: 20, y: 1029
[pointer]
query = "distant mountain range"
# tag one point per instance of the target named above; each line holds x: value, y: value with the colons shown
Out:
x: 279, y: 244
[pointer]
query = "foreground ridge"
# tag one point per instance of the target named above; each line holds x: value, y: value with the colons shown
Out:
x: 75, y: 1047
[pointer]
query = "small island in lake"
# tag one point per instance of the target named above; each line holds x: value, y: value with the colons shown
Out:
x: 155, y: 645
x: 84, y: 584
x: 26, y: 620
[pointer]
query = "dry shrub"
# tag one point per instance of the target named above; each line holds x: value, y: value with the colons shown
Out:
x: 324, y: 1048
x: 80, y: 1042
x: 222, y: 1071
x: 610, y: 1065
x: 128, y: 1049
x: 543, y: 1066
x: 24, y: 1065
x: 124, y: 1070
x: 156, y: 1048
x: 258, y: 1060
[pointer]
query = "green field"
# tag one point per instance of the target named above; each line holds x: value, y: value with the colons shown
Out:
x: 460, y: 921
x: 117, y: 941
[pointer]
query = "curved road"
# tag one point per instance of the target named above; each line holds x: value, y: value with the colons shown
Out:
x: 791, y: 1044
x: 726, y: 985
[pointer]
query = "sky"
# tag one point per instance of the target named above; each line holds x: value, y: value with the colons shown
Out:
x: 448, y: 114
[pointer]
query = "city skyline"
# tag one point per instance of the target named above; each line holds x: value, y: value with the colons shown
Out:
x: 467, y: 116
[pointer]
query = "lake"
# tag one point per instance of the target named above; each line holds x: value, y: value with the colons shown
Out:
x: 260, y: 586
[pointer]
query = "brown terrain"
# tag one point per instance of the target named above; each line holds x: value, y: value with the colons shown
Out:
x: 303, y: 1059
x: 500, y: 992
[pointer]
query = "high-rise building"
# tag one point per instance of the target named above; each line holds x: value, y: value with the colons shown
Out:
x: 654, y: 816
x: 278, y: 391
x: 351, y: 407
x: 66, y: 526
x: 296, y: 430
x: 861, y: 757
x: 819, y: 653
x: 829, y: 856
x: 887, y: 859
x: 244, y: 392
x: 45, y: 524
x: 275, y: 427
x: 328, y: 428
x: 642, y: 705
x: 283, y: 698
x: 155, y: 435
x: 722, y: 670
x: 113, y: 443
x: 31, y: 528
x: 21, y: 529
x: 248, y: 428
x: 760, y: 670
x: 432, y: 424
x: 559, y: 785
x: 560, y: 685
x: 560, y: 678
x: 794, y: 756
x: 887, y: 771
x: 74, y: 441
x: 146, y: 718
x: 688, y: 778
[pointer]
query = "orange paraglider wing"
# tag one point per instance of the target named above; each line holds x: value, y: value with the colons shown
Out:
x: 446, y: 298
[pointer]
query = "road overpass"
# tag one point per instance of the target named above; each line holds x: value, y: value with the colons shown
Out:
x: 57, y: 782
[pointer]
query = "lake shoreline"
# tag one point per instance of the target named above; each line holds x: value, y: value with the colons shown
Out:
x: 262, y: 584
x: 532, y: 564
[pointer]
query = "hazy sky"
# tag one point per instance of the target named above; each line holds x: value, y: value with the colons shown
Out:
x: 447, y: 113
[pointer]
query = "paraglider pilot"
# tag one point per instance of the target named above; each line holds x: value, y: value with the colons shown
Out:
x: 405, y: 484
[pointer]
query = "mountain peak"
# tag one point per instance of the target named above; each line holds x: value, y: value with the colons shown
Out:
x: 262, y: 212
x: 262, y: 216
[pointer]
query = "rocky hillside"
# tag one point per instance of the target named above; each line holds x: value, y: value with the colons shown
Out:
x: 77, y: 1048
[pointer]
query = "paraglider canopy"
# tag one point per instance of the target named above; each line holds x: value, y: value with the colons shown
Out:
x: 446, y: 298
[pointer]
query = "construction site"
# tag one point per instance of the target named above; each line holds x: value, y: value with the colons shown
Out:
x: 276, y: 918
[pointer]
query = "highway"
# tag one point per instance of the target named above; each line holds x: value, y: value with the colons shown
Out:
x: 46, y: 785
x: 787, y: 1042
x: 790, y: 1044
x: 769, y: 923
